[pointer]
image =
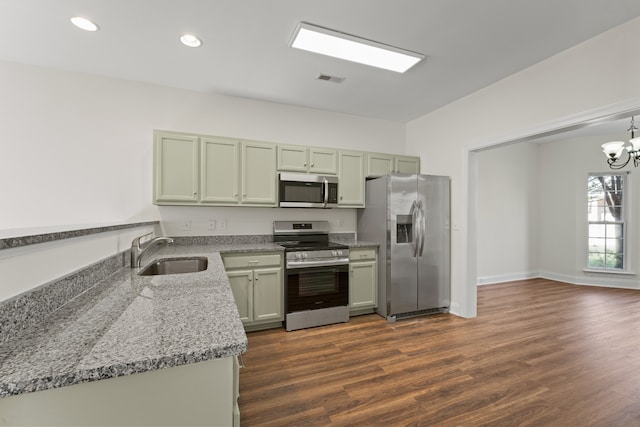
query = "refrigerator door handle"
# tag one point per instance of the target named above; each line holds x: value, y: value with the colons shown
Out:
x: 414, y: 229
x: 423, y: 227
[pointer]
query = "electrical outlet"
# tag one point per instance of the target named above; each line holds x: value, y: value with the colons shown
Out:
x: 223, y: 224
x: 186, y: 225
x: 212, y: 224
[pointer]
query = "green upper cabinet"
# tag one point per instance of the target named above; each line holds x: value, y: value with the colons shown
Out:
x: 323, y: 160
x: 258, y: 174
x: 407, y: 164
x: 217, y: 171
x: 380, y: 164
x: 220, y: 165
x: 296, y: 158
x: 176, y: 169
x: 351, y: 179
x: 293, y: 158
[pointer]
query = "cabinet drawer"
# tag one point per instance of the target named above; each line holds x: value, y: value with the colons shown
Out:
x: 249, y: 261
x: 362, y: 254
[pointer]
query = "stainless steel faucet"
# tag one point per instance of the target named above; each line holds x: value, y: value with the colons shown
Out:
x: 137, y: 250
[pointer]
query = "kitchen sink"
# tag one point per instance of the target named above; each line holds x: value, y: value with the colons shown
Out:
x: 175, y: 266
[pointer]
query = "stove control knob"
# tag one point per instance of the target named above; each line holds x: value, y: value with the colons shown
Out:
x: 298, y: 255
x: 335, y: 253
x: 304, y: 254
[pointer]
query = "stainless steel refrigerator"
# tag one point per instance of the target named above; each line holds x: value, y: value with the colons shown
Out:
x: 408, y: 216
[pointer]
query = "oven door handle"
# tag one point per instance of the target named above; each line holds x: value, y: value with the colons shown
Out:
x: 317, y: 263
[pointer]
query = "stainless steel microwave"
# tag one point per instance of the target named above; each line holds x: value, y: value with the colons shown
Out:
x: 300, y: 190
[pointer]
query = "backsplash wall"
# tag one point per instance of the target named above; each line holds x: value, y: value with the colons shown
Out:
x: 197, y: 220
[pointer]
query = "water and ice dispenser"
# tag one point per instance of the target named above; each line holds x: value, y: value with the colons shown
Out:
x: 404, y: 228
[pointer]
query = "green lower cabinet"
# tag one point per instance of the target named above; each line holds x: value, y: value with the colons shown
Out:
x: 363, y: 281
x: 258, y: 288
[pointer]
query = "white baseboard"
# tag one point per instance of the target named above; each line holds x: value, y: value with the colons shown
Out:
x: 589, y: 279
x: 594, y: 279
x: 510, y: 277
x: 454, y: 308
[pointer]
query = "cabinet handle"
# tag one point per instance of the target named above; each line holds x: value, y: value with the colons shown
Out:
x: 305, y: 164
x: 253, y: 262
x: 313, y: 164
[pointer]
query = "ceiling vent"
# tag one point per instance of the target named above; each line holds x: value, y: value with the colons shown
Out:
x: 328, y: 78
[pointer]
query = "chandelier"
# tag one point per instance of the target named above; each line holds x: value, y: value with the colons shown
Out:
x: 614, y: 150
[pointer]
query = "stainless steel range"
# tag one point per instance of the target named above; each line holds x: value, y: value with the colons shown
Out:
x: 316, y: 274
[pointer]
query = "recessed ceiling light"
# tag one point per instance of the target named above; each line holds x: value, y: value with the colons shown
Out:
x: 190, y: 40
x: 84, y: 23
x: 346, y: 46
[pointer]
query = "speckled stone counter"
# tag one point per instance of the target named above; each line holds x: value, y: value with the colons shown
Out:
x: 352, y: 242
x: 129, y: 323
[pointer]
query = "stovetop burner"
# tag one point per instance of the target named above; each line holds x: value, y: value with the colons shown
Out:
x: 298, y: 236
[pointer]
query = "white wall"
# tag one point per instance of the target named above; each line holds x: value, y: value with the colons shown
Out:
x: 27, y: 267
x: 564, y: 167
x: 577, y: 84
x: 77, y: 149
x: 507, y: 213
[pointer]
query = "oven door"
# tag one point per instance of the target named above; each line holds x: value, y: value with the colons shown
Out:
x: 317, y: 287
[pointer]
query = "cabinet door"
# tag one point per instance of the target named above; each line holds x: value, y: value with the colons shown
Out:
x: 258, y: 174
x: 293, y: 158
x: 220, y: 166
x: 379, y: 164
x: 351, y: 179
x: 176, y: 168
x: 242, y: 288
x: 267, y: 294
x: 323, y: 161
x: 406, y: 164
x: 363, y: 285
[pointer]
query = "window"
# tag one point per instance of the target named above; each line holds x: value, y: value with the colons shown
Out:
x: 606, y: 216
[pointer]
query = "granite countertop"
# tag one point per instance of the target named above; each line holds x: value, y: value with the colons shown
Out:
x: 360, y: 244
x: 128, y: 323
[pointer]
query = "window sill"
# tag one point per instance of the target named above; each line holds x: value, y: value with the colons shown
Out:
x: 620, y: 272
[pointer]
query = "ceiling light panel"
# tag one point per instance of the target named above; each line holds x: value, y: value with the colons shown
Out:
x: 351, y: 48
x: 84, y: 23
x: 190, y: 40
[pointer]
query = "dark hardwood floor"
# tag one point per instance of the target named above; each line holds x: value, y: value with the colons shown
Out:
x: 540, y: 353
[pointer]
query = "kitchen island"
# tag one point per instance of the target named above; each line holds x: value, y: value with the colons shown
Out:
x: 131, y: 324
